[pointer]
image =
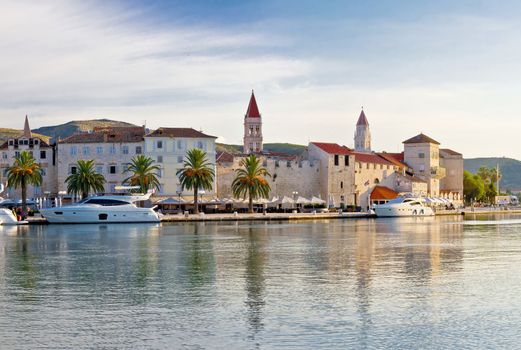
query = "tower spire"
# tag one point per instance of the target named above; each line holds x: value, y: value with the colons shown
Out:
x: 252, y: 128
x: 362, y: 134
x: 27, y: 129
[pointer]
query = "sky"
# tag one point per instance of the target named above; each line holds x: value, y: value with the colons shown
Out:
x: 448, y: 69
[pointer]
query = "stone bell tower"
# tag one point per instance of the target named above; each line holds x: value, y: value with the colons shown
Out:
x: 252, y: 128
x: 362, y: 134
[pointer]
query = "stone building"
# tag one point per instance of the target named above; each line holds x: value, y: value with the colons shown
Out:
x: 168, y: 147
x: 112, y: 148
x: 252, y: 128
x: 362, y: 134
x: 42, y: 152
x: 451, y: 186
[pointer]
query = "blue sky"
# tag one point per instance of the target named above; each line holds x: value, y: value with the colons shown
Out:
x: 448, y: 69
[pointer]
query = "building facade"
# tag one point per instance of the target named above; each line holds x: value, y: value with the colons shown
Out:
x: 168, y: 147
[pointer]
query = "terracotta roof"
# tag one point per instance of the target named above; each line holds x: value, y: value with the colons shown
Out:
x: 421, y: 138
x: 382, y: 192
x: 179, y: 132
x: 362, y: 120
x: 395, y: 158
x: 412, y: 178
x: 370, y: 158
x: 108, y: 135
x: 450, y: 152
x: 224, y: 157
x: 253, y: 110
x: 332, y: 148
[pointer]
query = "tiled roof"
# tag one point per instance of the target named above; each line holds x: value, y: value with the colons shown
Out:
x: 332, y: 148
x: 253, y: 110
x: 382, y: 192
x: 108, y: 135
x: 421, y: 138
x: 370, y: 158
x: 362, y: 120
x: 412, y: 178
x: 224, y: 157
x: 449, y: 152
x: 395, y: 158
x: 179, y: 132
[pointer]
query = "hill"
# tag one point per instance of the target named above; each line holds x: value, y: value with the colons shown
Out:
x: 510, y: 168
x: 6, y: 134
x: 287, y: 148
x: 65, y: 130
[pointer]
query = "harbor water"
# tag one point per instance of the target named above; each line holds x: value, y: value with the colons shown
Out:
x: 397, y: 283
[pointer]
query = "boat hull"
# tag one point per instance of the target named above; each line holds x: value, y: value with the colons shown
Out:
x: 90, y: 215
x: 7, y: 218
x: 390, y: 211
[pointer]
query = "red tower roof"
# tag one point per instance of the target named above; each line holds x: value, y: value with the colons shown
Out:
x: 362, y: 120
x: 253, y: 110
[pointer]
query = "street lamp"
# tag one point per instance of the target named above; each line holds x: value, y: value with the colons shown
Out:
x: 179, y: 193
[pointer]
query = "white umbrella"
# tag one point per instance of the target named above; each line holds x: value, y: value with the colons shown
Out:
x: 302, y: 200
x: 317, y: 201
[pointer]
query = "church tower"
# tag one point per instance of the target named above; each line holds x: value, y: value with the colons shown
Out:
x: 252, y: 128
x: 27, y: 129
x: 362, y: 134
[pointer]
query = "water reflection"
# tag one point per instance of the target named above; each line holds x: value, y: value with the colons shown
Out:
x: 353, y: 283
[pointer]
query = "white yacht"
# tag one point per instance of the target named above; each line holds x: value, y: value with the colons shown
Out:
x: 102, y: 209
x: 7, y: 217
x: 403, y: 206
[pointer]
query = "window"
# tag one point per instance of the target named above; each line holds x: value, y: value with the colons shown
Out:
x: 86, y: 150
x: 43, y: 154
x: 200, y: 145
x: 159, y: 172
x: 159, y: 144
x: 99, y: 169
x: 376, y: 181
x: 179, y: 144
x: 43, y: 171
x: 264, y: 163
x: 276, y: 164
x: 422, y: 168
x: 17, y: 154
x: 112, y: 149
x: 36, y: 141
x: 367, y: 165
x: 74, y: 150
x: 336, y: 159
x: 288, y: 164
x: 300, y: 164
x: 179, y: 159
x: 421, y: 155
x: 73, y: 170
x: 341, y: 184
x: 160, y: 159
x: 346, y: 160
x: 4, y: 155
x: 139, y: 150
x: 112, y: 169
x: 124, y: 149
x: 99, y: 150
x: 11, y: 142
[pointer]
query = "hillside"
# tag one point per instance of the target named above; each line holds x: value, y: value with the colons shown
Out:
x: 6, y: 134
x: 510, y: 168
x: 65, y: 130
x: 287, y: 148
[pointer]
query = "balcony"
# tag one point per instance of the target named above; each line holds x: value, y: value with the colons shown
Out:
x: 438, y: 172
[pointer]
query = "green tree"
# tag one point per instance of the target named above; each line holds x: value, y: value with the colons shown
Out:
x: 143, y: 173
x: 197, y: 173
x: 473, y: 187
x: 24, y: 171
x: 490, y: 193
x: 85, y: 179
x: 250, y: 180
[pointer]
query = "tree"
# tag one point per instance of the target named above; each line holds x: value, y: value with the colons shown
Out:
x: 473, y: 187
x: 24, y: 171
x: 143, y: 173
x: 85, y: 179
x: 197, y: 173
x: 250, y: 180
x: 490, y: 192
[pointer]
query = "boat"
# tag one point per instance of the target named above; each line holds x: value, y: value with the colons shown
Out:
x: 7, y: 217
x: 403, y: 206
x: 105, y: 208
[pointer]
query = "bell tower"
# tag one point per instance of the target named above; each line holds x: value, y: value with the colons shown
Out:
x: 252, y: 128
x: 362, y: 134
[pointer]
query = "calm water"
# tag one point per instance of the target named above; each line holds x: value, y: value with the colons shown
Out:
x: 393, y: 283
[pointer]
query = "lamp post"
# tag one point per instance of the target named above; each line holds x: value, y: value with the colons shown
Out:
x: 179, y: 193
x: 202, y: 193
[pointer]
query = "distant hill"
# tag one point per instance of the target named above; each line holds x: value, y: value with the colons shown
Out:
x: 510, y: 168
x: 286, y: 148
x: 6, y: 134
x: 65, y: 130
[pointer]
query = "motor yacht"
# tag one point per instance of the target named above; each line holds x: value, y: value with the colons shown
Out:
x: 7, y: 217
x: 102, y: 209
x: 403, y: 206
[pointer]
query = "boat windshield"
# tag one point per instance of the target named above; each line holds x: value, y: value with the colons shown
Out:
x: 105, y: 202
x: 396, y: 200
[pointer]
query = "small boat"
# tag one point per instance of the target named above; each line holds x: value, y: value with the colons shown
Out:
x: 7, y: 217
x: 403, y: 206
x: 102, y: 209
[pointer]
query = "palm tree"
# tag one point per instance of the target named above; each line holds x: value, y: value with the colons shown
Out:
x: 85, y: 179
x: 250, y: 180
x: 143, y: 173
x: 24, y: 171
x: 197, y: 173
